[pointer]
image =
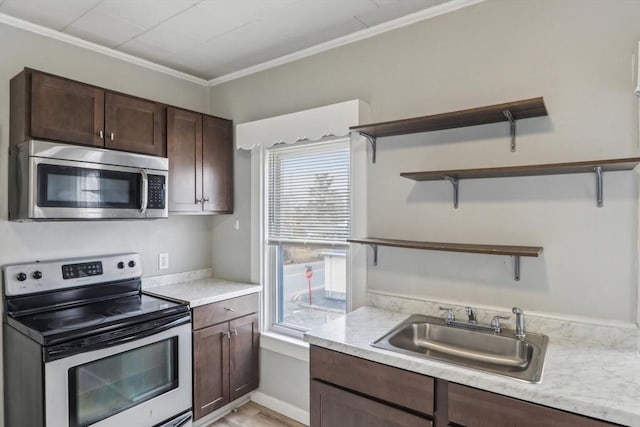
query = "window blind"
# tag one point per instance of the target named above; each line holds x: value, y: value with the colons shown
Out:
x: 308, y: 193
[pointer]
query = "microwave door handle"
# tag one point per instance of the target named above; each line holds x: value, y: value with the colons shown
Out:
x: 145, y: 191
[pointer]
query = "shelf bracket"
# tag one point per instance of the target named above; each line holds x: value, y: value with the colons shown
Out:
x: 516, y: 267
x: 372, y: 141
x: 454, y: 184
x: 512, y: 128
x: 598, y: 171
x: 374, y: 247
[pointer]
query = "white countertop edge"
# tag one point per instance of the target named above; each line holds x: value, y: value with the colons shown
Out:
x: 227, y: 295
x: 563, y: 399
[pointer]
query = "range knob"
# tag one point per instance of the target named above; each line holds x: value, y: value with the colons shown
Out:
x: 132, y: 263
x: 37, y: 275
x: 21, y: 277
x: 121, y: 265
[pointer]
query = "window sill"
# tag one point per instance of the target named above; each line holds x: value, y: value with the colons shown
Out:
x: 288, y: 346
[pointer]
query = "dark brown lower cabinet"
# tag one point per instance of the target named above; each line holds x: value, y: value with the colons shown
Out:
x: 225, y: 352
x: 348, y: 391
x: 332, y: 407
x: 211, y: 369
x: 476, y: 408
x: 243, y: 355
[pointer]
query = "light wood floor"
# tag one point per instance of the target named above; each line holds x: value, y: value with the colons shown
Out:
x: 253, y: 415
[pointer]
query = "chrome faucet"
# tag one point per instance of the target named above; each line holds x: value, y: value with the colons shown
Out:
x: 472, y: 323
x: 519, y: 322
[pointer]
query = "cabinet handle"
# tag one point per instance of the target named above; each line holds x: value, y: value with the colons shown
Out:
x: 111, y: 136
x: 235, y: 332
x: 226, y: 334
x: 198, y: 201
x: 101, y: 134
x: 205, y: 200
x: 230, y: 309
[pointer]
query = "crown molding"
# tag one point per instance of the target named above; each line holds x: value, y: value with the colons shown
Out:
x: 404, y: 21
x: 322, y: 47
x: 67, y: 38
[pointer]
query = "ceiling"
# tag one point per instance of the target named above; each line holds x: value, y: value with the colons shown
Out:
x: 211, y: 38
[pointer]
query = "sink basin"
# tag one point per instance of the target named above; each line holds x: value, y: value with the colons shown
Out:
x: 431, y: 338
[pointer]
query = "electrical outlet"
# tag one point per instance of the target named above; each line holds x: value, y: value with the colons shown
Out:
x: 163, y: 261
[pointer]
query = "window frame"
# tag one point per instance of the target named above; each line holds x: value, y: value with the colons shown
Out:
x: 268, y: 257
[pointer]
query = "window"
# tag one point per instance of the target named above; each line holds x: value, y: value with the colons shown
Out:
x: 307, y: 215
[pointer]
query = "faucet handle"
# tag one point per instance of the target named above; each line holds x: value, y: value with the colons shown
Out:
x: 471, y: 314
x: 495, y: 323
x: 450, y: 316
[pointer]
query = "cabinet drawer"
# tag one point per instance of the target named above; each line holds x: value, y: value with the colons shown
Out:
x: 332, y: 406
x: 393, y: 385
x: 476, y: 408
x: 223, y: 311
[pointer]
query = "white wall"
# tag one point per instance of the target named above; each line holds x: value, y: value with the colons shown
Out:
x: 575, y: 53
x: 186, y: 239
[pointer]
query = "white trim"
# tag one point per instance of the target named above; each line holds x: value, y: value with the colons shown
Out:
x: 67, y: 38
x: 635, y: 63
x: 220, y: 413
x: 404, y: 21
x: 282, y: 344
x: 314, y: 124
x: 282, y: 407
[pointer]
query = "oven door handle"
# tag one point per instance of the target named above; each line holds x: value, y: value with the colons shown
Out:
x: 144, y: 194
x: 135, y: 332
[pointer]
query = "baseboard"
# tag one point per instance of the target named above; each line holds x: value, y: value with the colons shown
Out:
x: 280, y: 406
x: 219, y: 413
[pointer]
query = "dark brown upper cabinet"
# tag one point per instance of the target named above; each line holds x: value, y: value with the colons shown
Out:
x: 200, y: 151
x: 54, y: 108
x: 134, y: 124
x: 217, y: 165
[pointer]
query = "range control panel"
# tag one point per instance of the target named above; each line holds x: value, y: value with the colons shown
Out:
x: 73, y: 271
x: 42, y: 276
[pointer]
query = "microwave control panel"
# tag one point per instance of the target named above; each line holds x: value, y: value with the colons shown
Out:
x: 157, y: 192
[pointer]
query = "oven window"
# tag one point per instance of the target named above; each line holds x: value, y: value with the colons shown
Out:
x: 111, y: 385
x: 72, y: 187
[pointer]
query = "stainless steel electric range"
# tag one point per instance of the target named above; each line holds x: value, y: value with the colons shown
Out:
x: 84, y: 347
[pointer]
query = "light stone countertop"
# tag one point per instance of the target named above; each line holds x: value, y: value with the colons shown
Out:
x: 201, y: 291
x: 588, y: 379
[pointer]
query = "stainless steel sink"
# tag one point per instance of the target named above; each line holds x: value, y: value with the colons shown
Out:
x: 430, y: 338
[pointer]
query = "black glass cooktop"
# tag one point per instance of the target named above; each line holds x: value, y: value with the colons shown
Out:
x: 58, y: 325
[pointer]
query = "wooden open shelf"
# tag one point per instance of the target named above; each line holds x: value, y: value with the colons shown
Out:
x: 514, y: 251
x: 608, y: 165
x: 523, y: 109
x: 595, y: 166
x: 530, y: 251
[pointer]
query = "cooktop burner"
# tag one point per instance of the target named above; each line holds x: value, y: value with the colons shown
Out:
x: 73, y: 322
x: 53, y: 325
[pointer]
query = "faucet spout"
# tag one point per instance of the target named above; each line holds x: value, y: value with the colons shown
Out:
x: 520, y: 333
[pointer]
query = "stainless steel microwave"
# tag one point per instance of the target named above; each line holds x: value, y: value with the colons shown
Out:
x: 54, y: 181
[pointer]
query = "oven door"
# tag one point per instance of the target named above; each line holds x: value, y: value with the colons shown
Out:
x: 139, y: 383
x: 67, y: 189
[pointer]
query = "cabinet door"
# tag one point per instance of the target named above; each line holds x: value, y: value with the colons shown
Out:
x: 217, y: 165
x: 476, y: 408
x: 243, y: 355
x: 184, y: 144
x: 67, y: 111
x: 210, y: 369
x: 134, y: 124
x: 331, y: 406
